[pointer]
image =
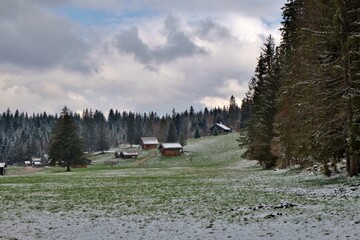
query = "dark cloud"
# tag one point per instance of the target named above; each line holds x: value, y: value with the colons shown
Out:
x: 33, y: 38
x: 208, y: 29
x: 130, y: 42
x: 177, y: 44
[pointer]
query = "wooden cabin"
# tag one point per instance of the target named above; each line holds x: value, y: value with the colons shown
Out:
x: 126, y: 155
x: 2, y: 168
x: 219, y: 128
x: 171, y: 149
x: 149, y: 143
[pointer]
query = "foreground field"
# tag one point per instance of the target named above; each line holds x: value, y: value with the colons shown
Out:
x: 209, y: 193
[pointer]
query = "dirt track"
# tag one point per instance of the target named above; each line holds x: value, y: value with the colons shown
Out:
x: 26, y: 170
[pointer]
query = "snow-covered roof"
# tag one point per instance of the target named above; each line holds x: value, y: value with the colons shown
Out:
x: 149, y: 140
x: 129, y: 153
x: 225, y: 128
x: 171, y: 145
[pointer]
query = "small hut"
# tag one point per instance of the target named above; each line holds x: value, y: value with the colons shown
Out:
x: 219, y: 128
x: 126, y: 155
x: 2, y: 168
x: 149, y: 143
x: 36, y: 162
x: 171, y: 149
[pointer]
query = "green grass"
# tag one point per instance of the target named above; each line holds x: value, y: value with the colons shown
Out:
x: 204, y: 183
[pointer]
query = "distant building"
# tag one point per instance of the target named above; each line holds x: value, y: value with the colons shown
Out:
x: 2, y: 168
x: 219, y: 128
x: 36, y: 162
x: 171, y: 149
x: 126, y: 155
x: 149, y: 143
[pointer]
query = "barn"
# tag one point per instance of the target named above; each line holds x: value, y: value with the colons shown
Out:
x: 219, y: 128
x: 171, y: 149
x: 149, y: 143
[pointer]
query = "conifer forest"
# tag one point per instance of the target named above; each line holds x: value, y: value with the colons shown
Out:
x: 24, y: 136
x: 303, y: 102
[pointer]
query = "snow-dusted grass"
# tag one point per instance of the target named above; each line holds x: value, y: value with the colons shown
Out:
x: 208, y: 193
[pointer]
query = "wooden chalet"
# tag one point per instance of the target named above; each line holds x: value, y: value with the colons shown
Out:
x: 170, y: 149
x: 220, y: 128
x: 126, y: 155
x: 149, y: 143
x: 2, y: 168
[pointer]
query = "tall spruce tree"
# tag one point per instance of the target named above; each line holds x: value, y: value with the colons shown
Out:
x: 234, y: 111
x: 130, y: 126
x: 66, y: 148
x: 262, y: 95
x: 101, y: 132
x: 172, y: 135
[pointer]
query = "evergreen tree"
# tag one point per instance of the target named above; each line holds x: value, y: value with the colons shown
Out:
x: 245, y: 112
x: 88, y: 130
x: 197, y: 132
x: 162, y: 133
x: 65, y: 144
x: 233, y: 113
x: 131, y: 132
x: 263, y: 91
x: 172, y: 133
x: 101, y: 132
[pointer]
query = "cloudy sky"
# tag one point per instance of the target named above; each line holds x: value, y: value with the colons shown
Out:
x: 139, y: 55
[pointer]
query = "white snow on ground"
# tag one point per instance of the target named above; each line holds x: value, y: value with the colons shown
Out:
x: 63, y: 226
x: 333, y: 214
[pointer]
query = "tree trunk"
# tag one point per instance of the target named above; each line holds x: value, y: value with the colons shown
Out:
x: 344, y: 31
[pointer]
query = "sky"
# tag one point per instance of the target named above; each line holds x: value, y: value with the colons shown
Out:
x: 138, y: 55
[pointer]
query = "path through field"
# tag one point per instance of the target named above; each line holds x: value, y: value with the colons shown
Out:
x: 27, y: 170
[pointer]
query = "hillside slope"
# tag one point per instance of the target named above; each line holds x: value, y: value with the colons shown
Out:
x: 209, y: 193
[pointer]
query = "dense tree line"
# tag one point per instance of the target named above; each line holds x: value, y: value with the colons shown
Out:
x: 23, y: 136
x: 303, y: 102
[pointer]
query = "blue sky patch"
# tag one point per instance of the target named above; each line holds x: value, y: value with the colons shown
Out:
x: 89, y: 17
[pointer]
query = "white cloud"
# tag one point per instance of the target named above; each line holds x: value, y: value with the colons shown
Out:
x: 223, y: 92
x: 182, y: 54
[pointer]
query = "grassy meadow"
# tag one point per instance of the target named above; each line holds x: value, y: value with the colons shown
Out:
x: 210, y: 183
